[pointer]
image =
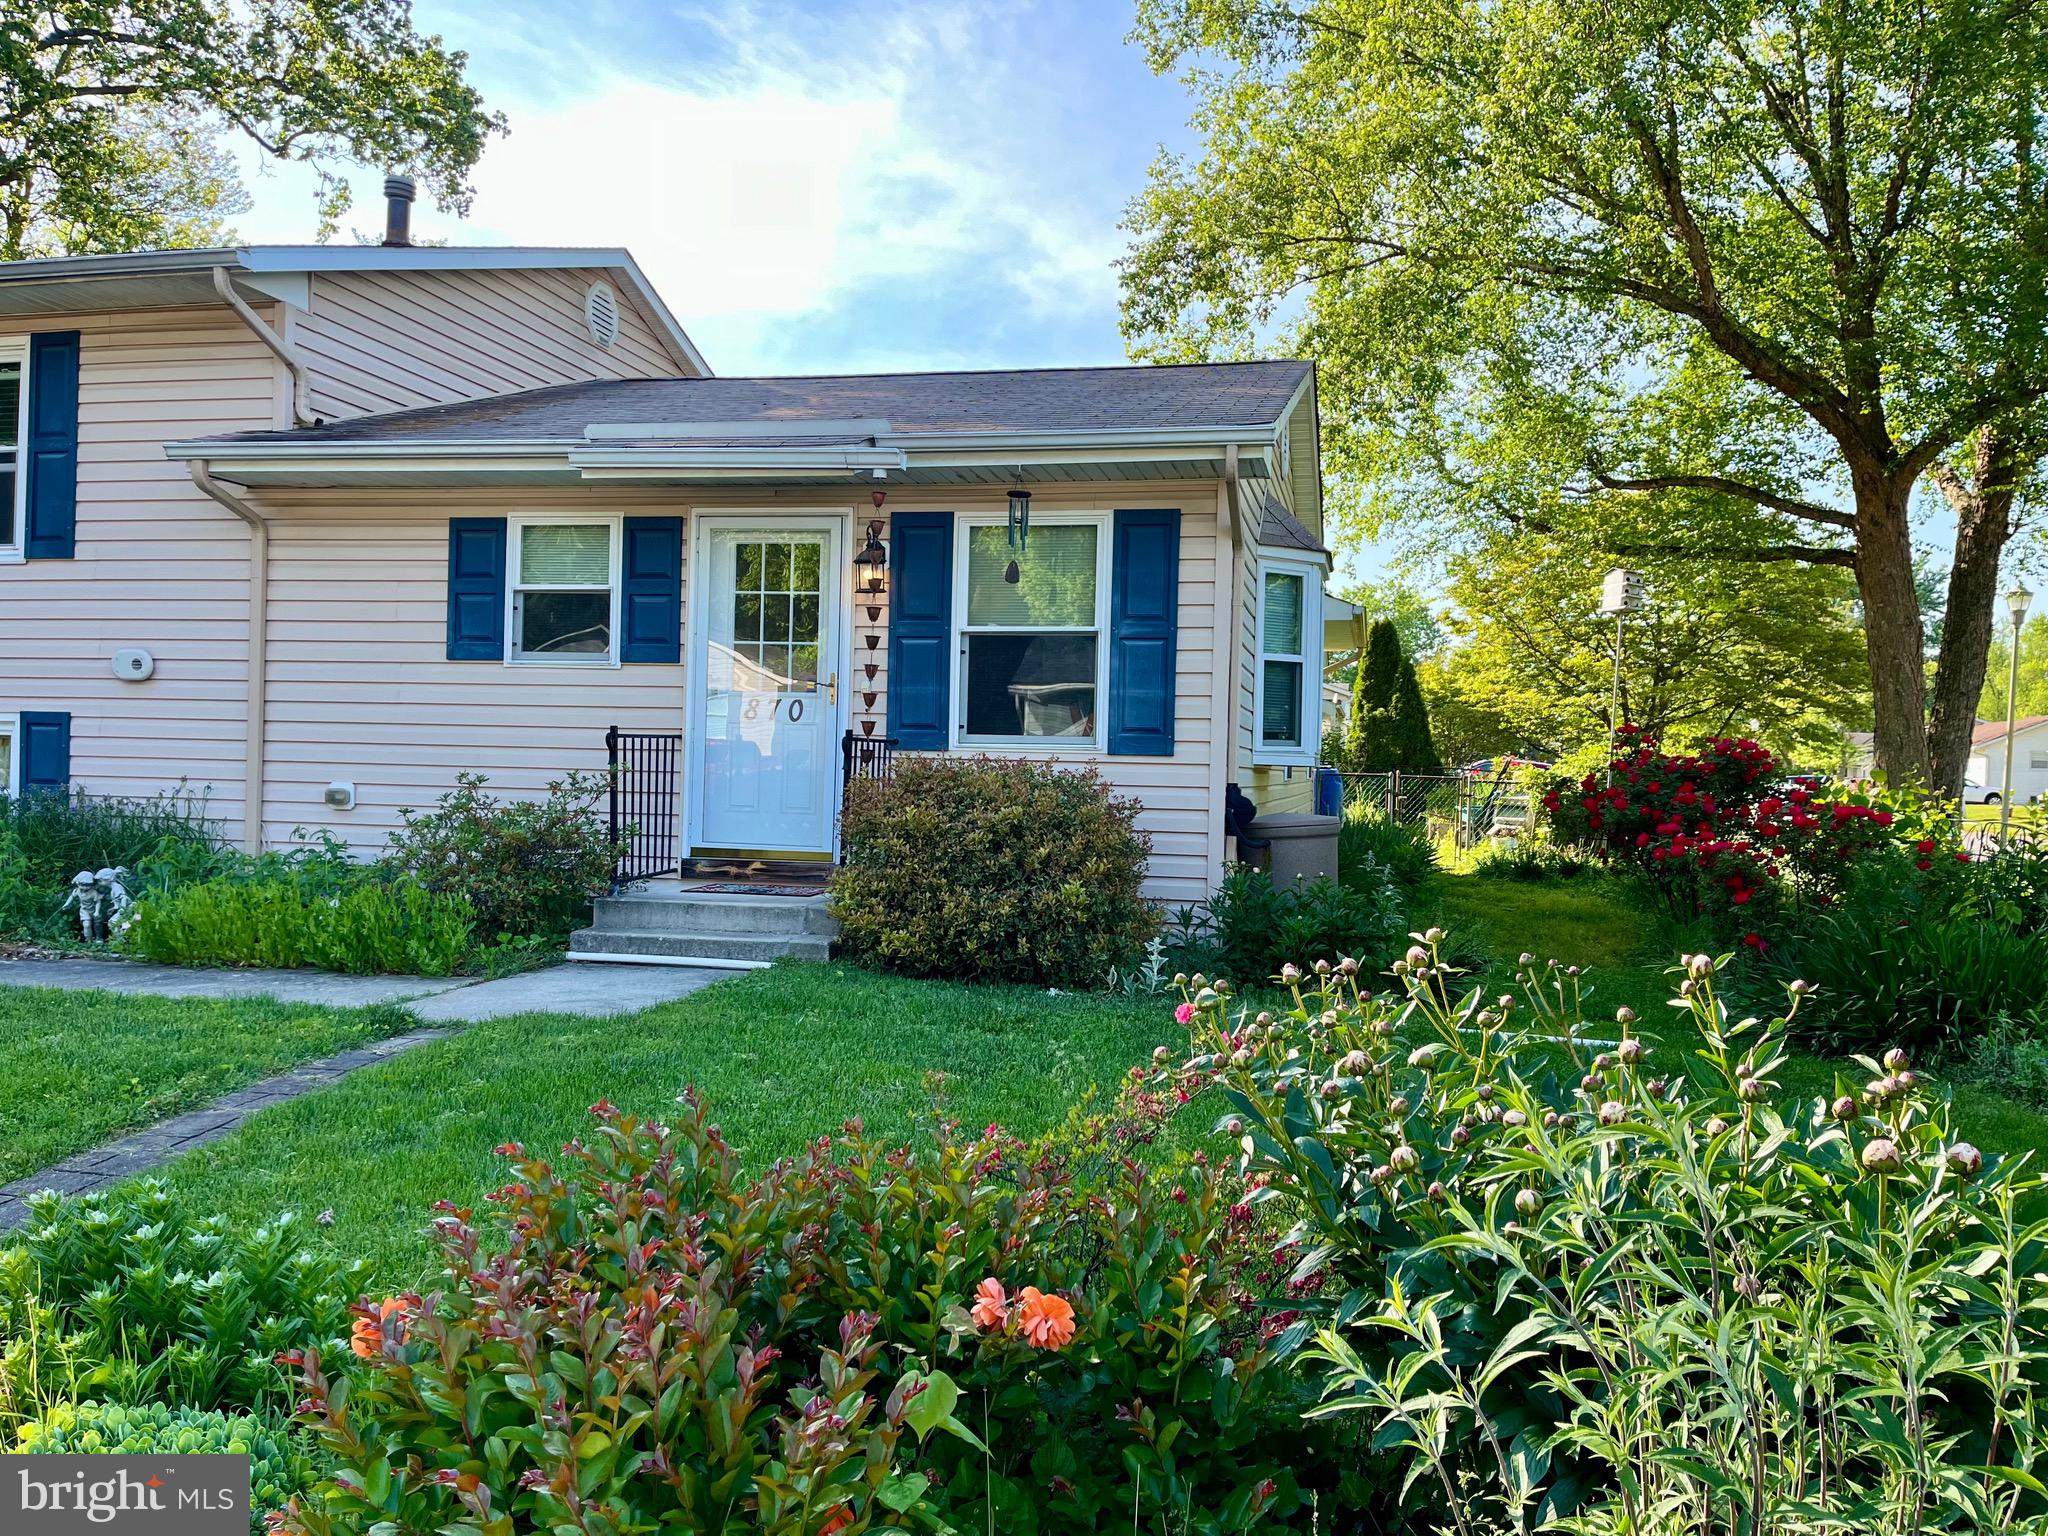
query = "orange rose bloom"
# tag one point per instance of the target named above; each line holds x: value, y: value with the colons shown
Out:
x: 366, y: 1338
x: 1048, y: 1321
x: 991, y: 1307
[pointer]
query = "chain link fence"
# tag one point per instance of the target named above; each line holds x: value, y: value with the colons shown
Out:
x: 1471, y: 806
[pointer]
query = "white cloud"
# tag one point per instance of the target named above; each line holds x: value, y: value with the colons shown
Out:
x: 816, y: 160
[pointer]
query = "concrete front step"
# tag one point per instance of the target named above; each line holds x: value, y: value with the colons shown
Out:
x: 736, y: 951
x: 671, y: 911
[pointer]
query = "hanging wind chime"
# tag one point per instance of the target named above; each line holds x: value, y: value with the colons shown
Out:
x: 1020, y: 531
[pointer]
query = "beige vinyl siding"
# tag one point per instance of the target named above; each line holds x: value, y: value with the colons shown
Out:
x: 360, y: 690
x: 159, y: 565
x: 1305, y: 468
x: 388, y: 341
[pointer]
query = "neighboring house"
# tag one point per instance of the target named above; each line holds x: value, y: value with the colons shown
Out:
x: 2029, y: 760
x: 318, y: 528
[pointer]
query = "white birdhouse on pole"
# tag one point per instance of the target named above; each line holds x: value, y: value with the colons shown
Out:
x: 1622, y: 592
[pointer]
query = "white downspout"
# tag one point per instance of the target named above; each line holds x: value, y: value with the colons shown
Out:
x: 1227, y: 674
x: 224, y: 285
x: 259, y: 625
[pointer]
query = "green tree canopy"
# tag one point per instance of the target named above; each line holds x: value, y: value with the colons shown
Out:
x: 1683, y: 279
x: 106, y: 108
x: 1769, y: 651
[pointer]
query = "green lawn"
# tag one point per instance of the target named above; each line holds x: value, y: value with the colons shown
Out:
x: 783, y: 1055
x: 78, y: 1068
x: 1629, y: 951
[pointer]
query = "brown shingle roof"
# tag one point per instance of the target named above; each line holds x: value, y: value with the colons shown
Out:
x: 1988, y: 731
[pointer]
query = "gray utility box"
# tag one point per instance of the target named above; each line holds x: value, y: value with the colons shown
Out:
x: 1301, y: 846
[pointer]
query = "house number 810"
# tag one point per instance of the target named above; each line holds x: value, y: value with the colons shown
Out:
x: 794, y: 713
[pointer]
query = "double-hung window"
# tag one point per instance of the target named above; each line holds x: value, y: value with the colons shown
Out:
x: 1031, y: 649
x: 564, y: 591
x: 13, y: 427
x: 10, y: 755
x: 1290, y: 643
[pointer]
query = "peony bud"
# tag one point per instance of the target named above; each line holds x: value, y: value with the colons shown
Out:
x: 1882, y: 1156
x: 1403, y: 1159
x: 1844, y: 1109
x: 1624, y: 1016
x: 1398, y: 1105
x: 1630, y: 1052
x: 1528, y: 1204
x: 1964, y: 1160
x: 1895, y: 1060
x: 1437, y: 1190
x: 1460, y: 1136
x: 1717, y: 1126
x: 1234, y: 1126
x: 1514, y: 1119
x: 1612, y: 1113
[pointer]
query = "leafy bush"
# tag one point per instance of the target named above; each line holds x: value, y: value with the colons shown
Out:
x: 45, y: 839
x: 1891, y: 970
x: 130, y: 1299
x: 1572, y: 1292
x: 1400, y: 849
x: 983, y: 869
x: 1250, y: 927
x: 372, y: 925
x: 279, y: 1468
x: 527, y: 868
x: 1532, y: 860
x: 2011, y: 1061
x: 976, y: 1335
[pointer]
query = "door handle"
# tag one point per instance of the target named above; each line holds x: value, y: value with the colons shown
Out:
x: 832, y: 689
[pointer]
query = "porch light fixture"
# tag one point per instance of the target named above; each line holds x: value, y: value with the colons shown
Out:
x: 870, y: 570
x: 1020, y: 531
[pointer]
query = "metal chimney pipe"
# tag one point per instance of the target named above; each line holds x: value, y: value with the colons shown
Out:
x: 399, y: 191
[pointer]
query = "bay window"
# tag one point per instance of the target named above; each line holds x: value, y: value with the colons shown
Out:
x: 1031, y: 649
x: 1290, y: 655
x: 564, y: 592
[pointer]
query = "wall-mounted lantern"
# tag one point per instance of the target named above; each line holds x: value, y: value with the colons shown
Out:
x: 871, y: 571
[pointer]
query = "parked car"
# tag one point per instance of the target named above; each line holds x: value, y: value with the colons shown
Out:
x: 1979, y: 794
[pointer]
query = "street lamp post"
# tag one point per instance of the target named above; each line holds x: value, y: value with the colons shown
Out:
x: 2016, y: 602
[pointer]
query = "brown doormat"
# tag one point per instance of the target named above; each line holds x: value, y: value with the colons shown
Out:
x: 753, y: 888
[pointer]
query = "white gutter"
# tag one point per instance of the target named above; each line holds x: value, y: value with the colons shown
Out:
x: 224, y: 285
x: 737, y: 459
x: 1223, y: 710
x: 259, y: 628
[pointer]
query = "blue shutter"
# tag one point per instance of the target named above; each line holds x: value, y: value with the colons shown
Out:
x: 476, y: 589
x: 45, y: 752
x: 52, y: 532
x: 651, y: 598
x: 1144, y: 613
x: 921, y: 629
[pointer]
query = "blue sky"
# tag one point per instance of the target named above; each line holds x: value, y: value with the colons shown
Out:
x: 814, y: 187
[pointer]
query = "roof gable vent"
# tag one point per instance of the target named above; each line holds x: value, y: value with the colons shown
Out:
x: 601, y: 313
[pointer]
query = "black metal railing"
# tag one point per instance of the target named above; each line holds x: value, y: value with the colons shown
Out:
x: 645, y: 768
x: 866, y: 757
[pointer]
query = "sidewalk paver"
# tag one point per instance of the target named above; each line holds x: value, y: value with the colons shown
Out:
x: 573, y: 987
x: 78, y: 973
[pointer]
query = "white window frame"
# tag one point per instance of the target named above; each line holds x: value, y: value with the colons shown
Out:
x: 2037, y: 758
x: 1029, y: 746
x: 12, y: 349
x: 514, y: 529
x: 1309, y: 707
x: 10, y: 723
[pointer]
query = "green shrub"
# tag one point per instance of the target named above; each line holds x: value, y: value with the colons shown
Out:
x: 1532, y: 860
x: 647, y: 1340
x: 374, y: 924
x: 1251, y: 927
x: 1572, y: 1292
x: 1887, y: 969
x: 982, y: 869
x: 1400, y: 849
x: 527, y: 868
x: 2011, y: 1061
x: 130, y: 1299
x: 279, y: 1468
x: 58, y: 836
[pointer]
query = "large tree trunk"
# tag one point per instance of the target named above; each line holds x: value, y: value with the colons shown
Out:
x: 1891, y: 623
x: 1983, y: 506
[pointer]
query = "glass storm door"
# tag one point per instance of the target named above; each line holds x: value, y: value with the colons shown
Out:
x: 771, y: 688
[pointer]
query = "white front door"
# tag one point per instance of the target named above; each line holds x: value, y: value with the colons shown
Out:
x: 767, y: 707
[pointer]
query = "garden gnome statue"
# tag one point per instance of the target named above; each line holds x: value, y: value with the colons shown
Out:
x: 91, y: 904
x: 113, y: 886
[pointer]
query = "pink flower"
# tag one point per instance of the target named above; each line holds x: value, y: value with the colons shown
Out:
x: 991, y: 1309
x: 1184, y: 1014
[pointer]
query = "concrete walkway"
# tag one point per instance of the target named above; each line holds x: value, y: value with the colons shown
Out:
x: 592, y: 990
x: 442, y: 1004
